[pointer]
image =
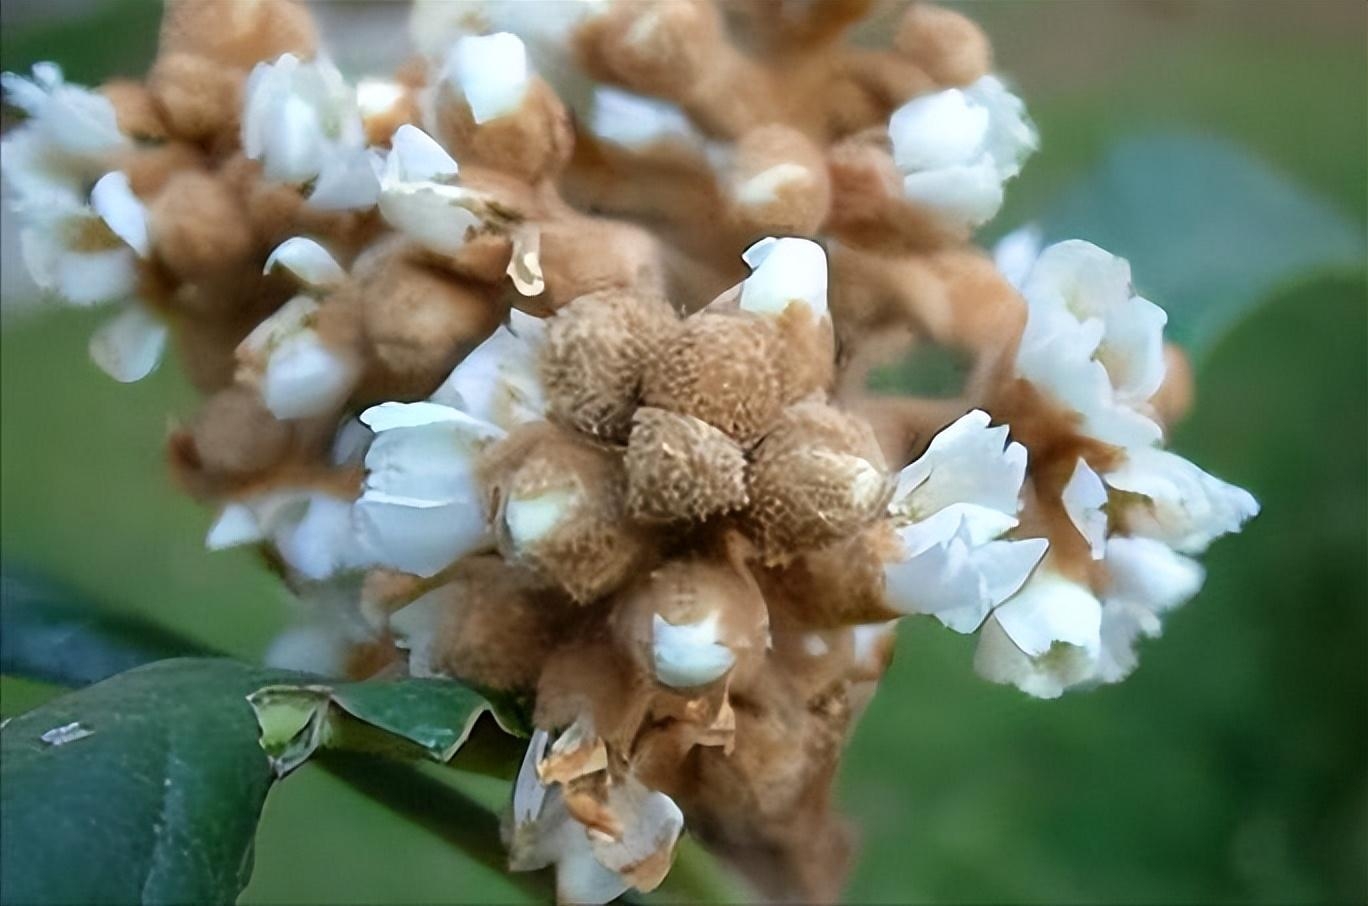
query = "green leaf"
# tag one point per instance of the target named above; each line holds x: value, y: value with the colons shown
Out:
x: 1210, y: 230
x: 51, y: 633
x: 146, y: 787
x: 419, y: 717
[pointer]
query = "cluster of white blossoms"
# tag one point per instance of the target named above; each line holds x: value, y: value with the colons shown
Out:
x: 611, y: 463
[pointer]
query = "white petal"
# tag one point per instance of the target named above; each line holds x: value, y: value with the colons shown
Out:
x: 414, y: 628
x: 310, y: 262
x: 529, y: 519
x: 434, y: 463
x: 528, y: 791
x: 942, y: 582
x: 415, y: 538
x: 968, y: 462
x: 347, y: 181
x: 129, y: 346
x: 651, y: 825
x: 388, y: 416
x: 322, y: 541
x: 1186, y: 509
x: 305, y: 378
x: 937, y: 130
x: 1048, y: 610
x: 377, y: 97
x: 1006, y: 565
x: 236, y: 525
x: 314, y: 648
x: 1016, y: 252
x: 439, y: 217
x: 1147, y: 572
x: 491, y: 71
x: 89, y: 278
x: 998, y: 660
x: 1133, y: 349
x: 637, y: 122
x: 1083, y: 497
x: 113, y: 199
x: 966, y: 195
x: 416, y: 157
x: 785, y: 271
x: 689, y: 654
x: 1011, y: 134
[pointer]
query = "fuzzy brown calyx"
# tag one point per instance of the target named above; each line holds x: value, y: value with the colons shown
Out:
x: 723, y: 369
x: 531, y: 143
x: 680, y: 468
x: 597, y: 349
x: 816, y: 478
x: 558, y: 508
x: 491, y: 624
x: 198, y: 228
x: 574, y: 264
x: 691, y: 622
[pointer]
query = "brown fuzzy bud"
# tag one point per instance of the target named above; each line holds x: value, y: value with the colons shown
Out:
x: 597, y: 348
x: 532, y: 143
x: 690, y: 622
x: 680, y: 468
x: 838, y: 585
x: 778, y: 182
x: 149, y: 167
x: 655, y: 49
x: 238, y: 33
x: 558, y: 508
x: 949, y: 46
x: 135, y: 110
x: 199, y: 98
x: 574, y: 263
x: 419, y: 322
x: 492, y: 624
x: 198, y: 228
x: 816, y: 478
x: 234, y: 436
x: 723, y: 369
x: 808, y: 353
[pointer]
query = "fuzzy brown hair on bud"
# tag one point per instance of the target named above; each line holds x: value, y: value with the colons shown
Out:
x: 197, y: 226
x: 817, y: 477
x: 558, y: 508
x: 597, y: 349
x: 680, y: 468
x: 723, y: 369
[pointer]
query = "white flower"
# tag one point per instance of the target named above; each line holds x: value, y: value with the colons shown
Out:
x: 422, y: 507
x: 1178, y: 503
x: 68, y: 140
x: 592, y: 867
x: 950, y: 508
x: 688, y: 654
x: 490, y: 72
x: 784, y: 272
x: 1044, y: 640
x: 1091, y: 343
x: 1015, y: 253
x: 302, y: 122
x: 957, y: 147
x: 498, y: 381
x: 299, y: 374
x: 312, y: 531
x: 418, y: 195
x: 637, y: 122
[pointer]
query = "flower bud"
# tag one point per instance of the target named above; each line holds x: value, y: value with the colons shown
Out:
x: 238, y: 34
x: 558, y: 508
x: 198, y: 228
x: 778, y: 182
x: 596, y: 351
x: 722, y: 369
x: 199, y: 99
x: 681, y: 469
x: 949, y: 46
x: 817, y: 477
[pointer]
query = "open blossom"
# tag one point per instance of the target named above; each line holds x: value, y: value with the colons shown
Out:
x: 422, y: 507
x: 498, y: 381
x: 298, y: 374
x: 419, y: 195
x: 951, y: 509
x: 1091, y: 343
x: 302, y: 122
x: 956, y: 148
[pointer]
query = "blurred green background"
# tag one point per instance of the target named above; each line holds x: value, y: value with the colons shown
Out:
x: 1232, y: 767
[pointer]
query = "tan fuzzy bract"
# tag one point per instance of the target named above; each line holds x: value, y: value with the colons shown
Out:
x: 597, y: 349
x: 680, y: 468
x: 816, y: 478
x: 724, y: 369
